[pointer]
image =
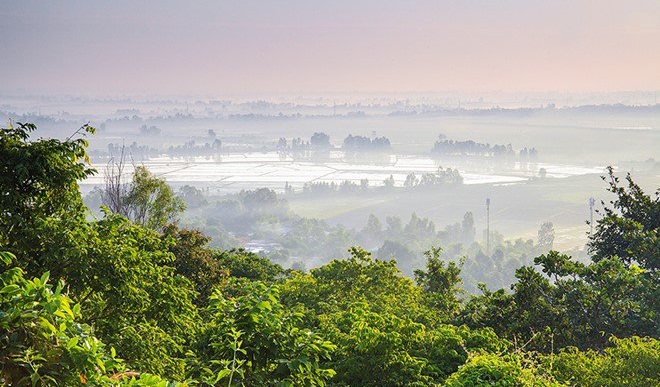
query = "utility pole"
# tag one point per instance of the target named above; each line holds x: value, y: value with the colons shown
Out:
x: 592, y: 202
x: 487, y: 226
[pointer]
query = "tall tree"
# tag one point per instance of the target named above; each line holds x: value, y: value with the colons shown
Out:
x: 147, y: 200
x: 151, y: 202
x: 320, y: 140
x: 468, y: 230
x: 440, y: 283
x: 39, y: 192
x: 630, y: 225
x: 629, y: 231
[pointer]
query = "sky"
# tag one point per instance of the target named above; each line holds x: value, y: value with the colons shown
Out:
x: 290, y: 46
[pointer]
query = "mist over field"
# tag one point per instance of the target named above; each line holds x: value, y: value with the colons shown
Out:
x: 538, y: 162
x: 345, y: 193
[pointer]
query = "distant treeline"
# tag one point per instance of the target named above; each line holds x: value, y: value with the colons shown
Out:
x: 527, y: 111
x: 288, y: 111
x: 319, y: 145
x: 442, y: 177
x: 133, y: 150
x: 143, y: 152
x: 359, y: 144
x: 469, y: 148
x: 191, y: 149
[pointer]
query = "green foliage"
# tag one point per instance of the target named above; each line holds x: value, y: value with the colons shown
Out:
x: 196, y: 261
x: 440, y: 284
x: 121, y: 275
x: 150, y: 201
x: 632, y: 361
x: 38, y: 180
x: 386, y: 335
x: 244, y: 264
x: 597, y: 300
x: 126, y: 284
x: 629, y: 228
x: 373, y: 348
x: 359, y: 278
x: 501, y: 371
x: 536, y: 307
x: 116, y: 270
x: 607, y: 301
x: 158, y: 297
x: 42, y: 342
x: 489, y: 309
x: 267, y: 344
x: 383, y: 349
x: 584, y: 306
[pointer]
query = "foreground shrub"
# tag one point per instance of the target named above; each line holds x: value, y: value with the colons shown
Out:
x: 495, y: 370
x: 632, y: 361
x: 43, y: 344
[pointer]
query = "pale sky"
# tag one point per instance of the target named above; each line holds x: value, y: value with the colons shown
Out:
x: 228, y: 47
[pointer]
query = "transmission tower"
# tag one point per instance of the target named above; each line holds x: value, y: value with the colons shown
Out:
x: 487, y: 226
x: 592, y: 202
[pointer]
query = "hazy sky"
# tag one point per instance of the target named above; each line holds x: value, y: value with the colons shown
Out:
x: 229, y: 47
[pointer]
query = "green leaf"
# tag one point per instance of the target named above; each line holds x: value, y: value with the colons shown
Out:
x: 221, y: 375
x: 264, y: 305
x: 72, y: 342
x: 7, y: 257
x: 44, y: 277
x: 45, y: 324
x: 10, y: 289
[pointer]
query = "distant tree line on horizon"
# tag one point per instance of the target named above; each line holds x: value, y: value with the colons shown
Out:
x: 470, y: 148
x: 319, y: 146
x: 355, y: 148
x: 441, y: 178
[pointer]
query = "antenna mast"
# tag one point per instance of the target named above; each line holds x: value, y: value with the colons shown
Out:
x: 592, y: 202
x: 487, y: 226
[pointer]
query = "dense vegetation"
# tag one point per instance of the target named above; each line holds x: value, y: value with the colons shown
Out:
x: 132, y: 300
x: 264, y: 221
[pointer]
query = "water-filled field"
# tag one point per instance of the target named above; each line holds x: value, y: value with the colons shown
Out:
x: 232, y: 172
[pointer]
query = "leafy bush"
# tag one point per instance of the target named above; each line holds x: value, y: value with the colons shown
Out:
x: 251, y: 339
x: 632, y: 361
x: 43, y: 344
x: 494, y: 370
